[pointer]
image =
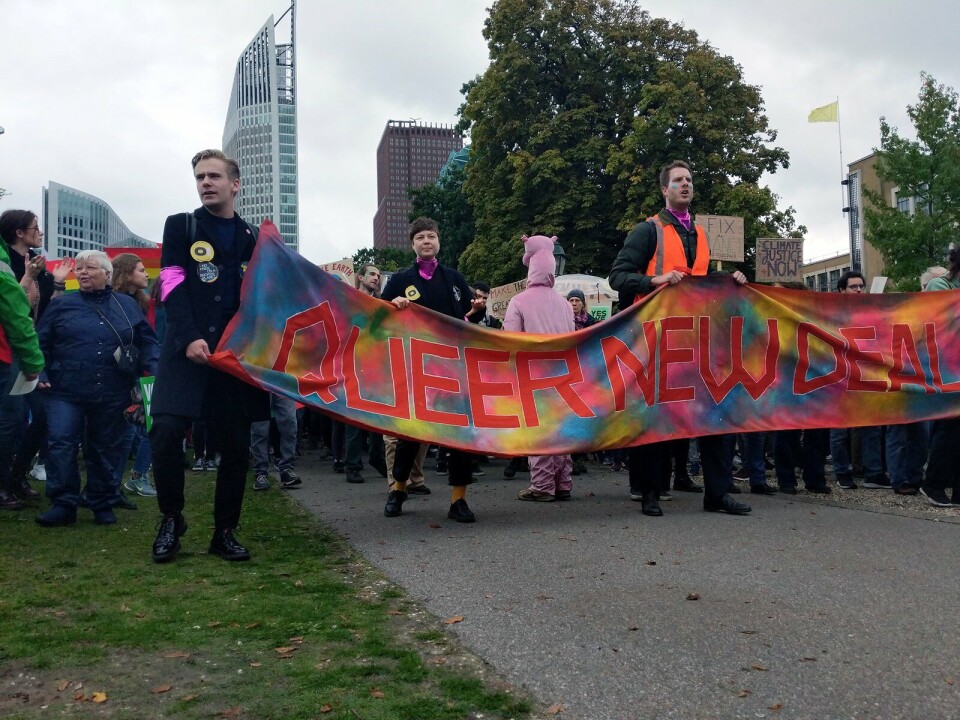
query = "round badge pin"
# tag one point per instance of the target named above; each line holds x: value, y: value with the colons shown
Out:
x: 201, y: 251
x: 412, y: 293
x: 208, y: 272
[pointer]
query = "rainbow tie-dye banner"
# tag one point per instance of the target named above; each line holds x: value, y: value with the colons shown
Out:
x: 703, y: 357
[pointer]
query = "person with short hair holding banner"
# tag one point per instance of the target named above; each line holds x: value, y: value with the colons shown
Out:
x: 443, y: 289
x: 664, y: 250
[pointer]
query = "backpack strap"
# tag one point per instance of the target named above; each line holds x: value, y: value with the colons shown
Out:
x: 191, y: 228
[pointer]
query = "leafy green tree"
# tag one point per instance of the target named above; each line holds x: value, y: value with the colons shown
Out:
x: 445, y: 202
x: 926, y: 169
x: 583, y: 102
x: 386, y: 259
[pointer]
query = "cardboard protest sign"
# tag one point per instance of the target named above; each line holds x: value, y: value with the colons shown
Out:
x: 500, y: 298
x: 725, y: 234
x: 779, y: 260
x: 343, y: 269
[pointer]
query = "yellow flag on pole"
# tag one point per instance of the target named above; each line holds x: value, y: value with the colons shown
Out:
x: 827, y: 113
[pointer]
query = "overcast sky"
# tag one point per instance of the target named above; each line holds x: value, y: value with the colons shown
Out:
x: 113, y: 97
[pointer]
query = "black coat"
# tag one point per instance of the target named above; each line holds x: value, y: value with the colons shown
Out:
x: 194, y: 311
x: 446, y: 292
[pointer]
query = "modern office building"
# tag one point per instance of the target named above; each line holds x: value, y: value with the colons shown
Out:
x: 861, y: 175
x: 261, y: 130
x: 75, y: 221
x: 409, y: 156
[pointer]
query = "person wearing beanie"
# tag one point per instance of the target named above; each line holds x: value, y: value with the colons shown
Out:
x: 581, y: 318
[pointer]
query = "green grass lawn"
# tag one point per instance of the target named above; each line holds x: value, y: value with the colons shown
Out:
x: 304, y: 630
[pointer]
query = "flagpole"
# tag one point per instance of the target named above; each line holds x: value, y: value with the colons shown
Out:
x: 843, y: 200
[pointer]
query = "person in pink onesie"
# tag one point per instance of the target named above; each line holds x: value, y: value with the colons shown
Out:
x: 541, y: 309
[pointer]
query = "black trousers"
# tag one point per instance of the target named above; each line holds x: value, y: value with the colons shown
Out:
x: 230, y: 414
x: 647, y: 465
x: 459, y: 463
x: 943, y: 464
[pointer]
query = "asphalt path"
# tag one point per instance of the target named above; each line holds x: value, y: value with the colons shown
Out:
x: 800, y: 610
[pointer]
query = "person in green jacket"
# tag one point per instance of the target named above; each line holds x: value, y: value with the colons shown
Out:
x: 18, y: 341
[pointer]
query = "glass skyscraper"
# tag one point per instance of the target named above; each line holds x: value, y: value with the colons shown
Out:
x: 261, y: 131
x: 75, y: 221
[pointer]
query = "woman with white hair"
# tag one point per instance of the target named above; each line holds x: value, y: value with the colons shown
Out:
x: 96, y: 344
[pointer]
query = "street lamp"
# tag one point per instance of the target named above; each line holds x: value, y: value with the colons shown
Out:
x: 560, y: 258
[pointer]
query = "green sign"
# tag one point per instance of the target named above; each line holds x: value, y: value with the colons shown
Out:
x: 146, y: 388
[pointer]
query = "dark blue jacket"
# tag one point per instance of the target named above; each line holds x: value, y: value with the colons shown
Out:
x: 78, y: 345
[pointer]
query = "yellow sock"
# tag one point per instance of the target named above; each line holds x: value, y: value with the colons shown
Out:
x: 458, y: 492
x: 397, y: 485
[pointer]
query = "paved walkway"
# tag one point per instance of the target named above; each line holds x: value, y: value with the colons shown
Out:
x: 803, y: 610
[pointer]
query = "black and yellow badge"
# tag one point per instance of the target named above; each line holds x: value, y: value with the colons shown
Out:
x: 411, y: 293
x: 208, y: 272
x: 243, y: 269
x: 201, y: 251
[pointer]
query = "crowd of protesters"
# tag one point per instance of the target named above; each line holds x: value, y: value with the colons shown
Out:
x: 87, y: 351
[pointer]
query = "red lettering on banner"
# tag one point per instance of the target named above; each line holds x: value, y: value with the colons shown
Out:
x: 616, y: 353
x: 320, y: 384
x: 856, y: 355
x: 422, y: 381
x: 900, y: 342
x: 801, y: 386
x: 398, y: 376
x: 930, y: 331
x: 561, y: 383
x: 674, y: 355
x: 480, y: 388
x: 739, y: 374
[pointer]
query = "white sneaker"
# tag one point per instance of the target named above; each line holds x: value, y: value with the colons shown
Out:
x: 39, y: 473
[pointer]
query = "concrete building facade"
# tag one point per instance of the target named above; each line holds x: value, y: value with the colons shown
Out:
x: 409, y: 156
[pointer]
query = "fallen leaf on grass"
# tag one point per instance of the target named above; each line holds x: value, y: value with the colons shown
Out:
x: 298, y: 583
x: 175, y: 654
x: 453, y: 620
x: 555, y: 709
x: 124, y: 608
x: 394, y: 612
x: 161, y: 689
x: 326, y: 708
x: 99, y: 697
x: 213, y: 623
x: 287, y: 649
x: 693, y: 596
x: 188, y: 698
x: 297, y: 639
x: 231, y: 712
x: 79, y: 697
x: 63, y: 685
x: 744, y: 693
x: 776, y: 707
x: 949, y: 681
x: 255, y: 664
x: 435, y: 526
x: 376, y: 693
x: 759, y: 668
x: 140, y: 615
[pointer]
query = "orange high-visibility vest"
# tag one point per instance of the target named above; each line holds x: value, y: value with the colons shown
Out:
x: 670, y: 254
